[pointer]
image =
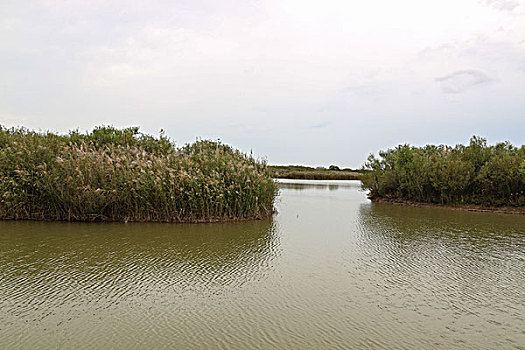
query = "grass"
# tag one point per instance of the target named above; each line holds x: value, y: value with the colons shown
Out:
x: 114, y: 174
x: 309, y: 173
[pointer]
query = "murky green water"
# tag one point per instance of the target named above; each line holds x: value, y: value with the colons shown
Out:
x: 330, y: 271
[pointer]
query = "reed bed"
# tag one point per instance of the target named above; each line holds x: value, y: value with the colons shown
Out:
x: 309, y: 173
x: 477, y: 173
x: 123, y: 175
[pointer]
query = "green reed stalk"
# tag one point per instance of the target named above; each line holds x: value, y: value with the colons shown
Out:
x: 123, y: 175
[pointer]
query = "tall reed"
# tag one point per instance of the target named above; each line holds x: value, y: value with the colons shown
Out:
x: 123, y: 175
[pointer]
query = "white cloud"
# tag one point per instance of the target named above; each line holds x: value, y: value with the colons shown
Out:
x: 298, y: 70
x: 505, y: 5
x: 463, y: 80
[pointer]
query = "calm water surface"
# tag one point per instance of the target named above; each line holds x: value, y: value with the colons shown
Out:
x: 329, y: 271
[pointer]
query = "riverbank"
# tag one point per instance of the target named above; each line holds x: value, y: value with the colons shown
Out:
x: 309, y: 173
x: 470, y: 207
x: 123, y: 175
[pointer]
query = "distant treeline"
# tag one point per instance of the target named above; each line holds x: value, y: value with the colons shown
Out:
x: 333, y: 172
x: 123, y: 175
x: 474, y: 174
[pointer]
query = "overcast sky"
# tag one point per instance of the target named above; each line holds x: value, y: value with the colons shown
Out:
x: 298, y: 81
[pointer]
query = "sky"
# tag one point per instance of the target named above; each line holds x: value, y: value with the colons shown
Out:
x: 294, y: 81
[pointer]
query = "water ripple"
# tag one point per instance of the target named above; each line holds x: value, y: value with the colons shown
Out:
x: 330, y: 271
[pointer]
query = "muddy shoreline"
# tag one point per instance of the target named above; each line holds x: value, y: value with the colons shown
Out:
x: 469, y: 207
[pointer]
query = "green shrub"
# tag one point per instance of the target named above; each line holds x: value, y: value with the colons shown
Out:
x: 473, y: 174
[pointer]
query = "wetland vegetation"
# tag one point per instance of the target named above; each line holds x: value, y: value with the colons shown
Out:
x: 333, y: 172
x: 475, y: 174
x: 114, y: 174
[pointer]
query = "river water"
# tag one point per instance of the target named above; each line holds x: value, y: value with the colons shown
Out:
x: 329, y: 271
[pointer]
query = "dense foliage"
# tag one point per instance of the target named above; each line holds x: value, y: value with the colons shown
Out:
x: 123, y: 175
x: 474, y: 174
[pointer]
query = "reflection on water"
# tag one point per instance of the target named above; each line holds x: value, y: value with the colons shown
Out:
x: 330, y: 270
x: 443, y: 225
x: 462, y: 272
x: 59, y: 276
x: 302, y: 185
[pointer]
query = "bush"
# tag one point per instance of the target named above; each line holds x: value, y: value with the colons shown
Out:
x: 473, y: 174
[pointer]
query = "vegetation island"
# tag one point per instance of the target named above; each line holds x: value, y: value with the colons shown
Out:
x: 476, y: 175
x: 124, y: 175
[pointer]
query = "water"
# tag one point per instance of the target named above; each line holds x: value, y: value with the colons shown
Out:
x: 329, y: 271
